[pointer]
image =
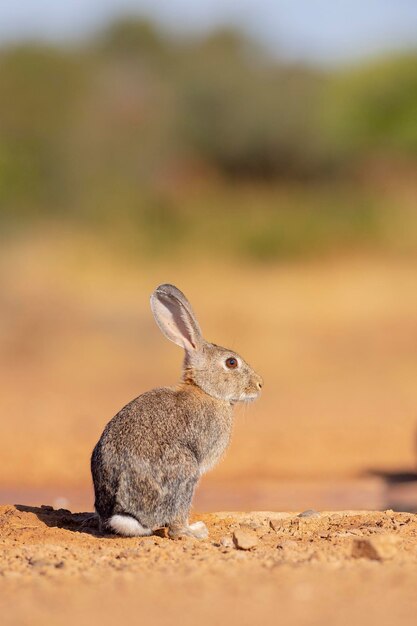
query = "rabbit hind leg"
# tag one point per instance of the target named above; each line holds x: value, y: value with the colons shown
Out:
x: 179, y: 525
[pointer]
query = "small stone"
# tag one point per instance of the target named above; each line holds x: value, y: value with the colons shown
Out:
x: 309, y: 513
x: 245, y: 539
x: 276, y: 524
x: 226, y: 542
x: 377, y: 548
x: 254, y: 524
x: 61, y: 503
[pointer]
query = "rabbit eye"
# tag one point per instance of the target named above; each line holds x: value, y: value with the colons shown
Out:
x: 231, y: 362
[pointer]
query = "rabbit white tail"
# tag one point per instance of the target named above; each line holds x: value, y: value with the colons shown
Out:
x: 127, y: 526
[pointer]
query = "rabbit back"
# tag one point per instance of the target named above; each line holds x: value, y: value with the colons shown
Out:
x: 152, y: 453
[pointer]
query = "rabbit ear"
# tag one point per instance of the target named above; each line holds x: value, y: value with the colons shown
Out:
x: 175, y: 317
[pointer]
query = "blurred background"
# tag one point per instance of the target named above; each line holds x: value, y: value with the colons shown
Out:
x: 260, y: 155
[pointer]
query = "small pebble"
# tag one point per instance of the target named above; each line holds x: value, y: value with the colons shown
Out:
x: 309, y: 513
x: 378, y: 548
x: 61, y: 503
x: 276, y: 524
x: 226, y: 542
x: 245, y: 539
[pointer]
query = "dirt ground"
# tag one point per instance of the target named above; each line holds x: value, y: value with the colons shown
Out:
x: 255, y: 568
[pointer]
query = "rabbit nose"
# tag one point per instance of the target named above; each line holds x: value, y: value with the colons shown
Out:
x: 259, y: 384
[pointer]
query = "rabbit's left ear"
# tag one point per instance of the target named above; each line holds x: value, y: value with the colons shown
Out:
x: 175, y: 317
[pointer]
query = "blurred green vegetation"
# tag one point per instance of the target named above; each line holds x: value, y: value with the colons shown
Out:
x: 164, y: 144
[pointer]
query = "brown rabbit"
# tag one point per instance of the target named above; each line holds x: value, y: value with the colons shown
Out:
x: 151, y: 455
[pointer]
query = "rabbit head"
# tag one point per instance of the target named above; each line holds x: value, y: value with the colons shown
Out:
x: 219, y: 372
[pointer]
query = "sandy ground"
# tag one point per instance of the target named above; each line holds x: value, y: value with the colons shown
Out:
x: 339, y: 568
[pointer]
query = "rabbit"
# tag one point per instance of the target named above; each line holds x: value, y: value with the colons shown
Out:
x: 151, y: 455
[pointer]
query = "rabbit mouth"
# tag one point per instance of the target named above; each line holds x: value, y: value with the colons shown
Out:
x: 248, y: 397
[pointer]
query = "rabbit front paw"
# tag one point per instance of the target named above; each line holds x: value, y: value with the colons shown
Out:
x: 197, y: 530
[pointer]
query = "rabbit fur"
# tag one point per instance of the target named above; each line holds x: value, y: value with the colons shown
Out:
x: 151, y: 455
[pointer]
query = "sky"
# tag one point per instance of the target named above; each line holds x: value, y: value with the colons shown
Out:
x: 320, y: 31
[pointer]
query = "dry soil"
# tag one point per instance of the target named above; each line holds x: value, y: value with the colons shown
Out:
x: 323, y: 568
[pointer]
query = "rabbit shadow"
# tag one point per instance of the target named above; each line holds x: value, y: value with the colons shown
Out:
x: 62, y: 518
